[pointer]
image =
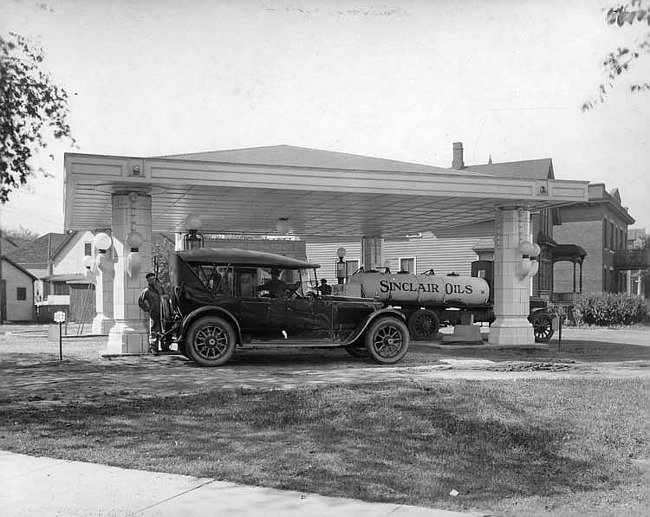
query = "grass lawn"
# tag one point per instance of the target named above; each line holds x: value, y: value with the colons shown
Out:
x: 510, y: 447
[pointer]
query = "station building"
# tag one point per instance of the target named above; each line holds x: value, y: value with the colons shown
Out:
x: 316, y: 196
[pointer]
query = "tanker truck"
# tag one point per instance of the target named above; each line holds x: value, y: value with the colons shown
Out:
x: 429, y: 300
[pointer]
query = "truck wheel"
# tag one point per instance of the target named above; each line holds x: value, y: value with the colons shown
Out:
x: 423, y: 325
x: 387, y: 340
x: 210, y: 341
x: 543, y: 328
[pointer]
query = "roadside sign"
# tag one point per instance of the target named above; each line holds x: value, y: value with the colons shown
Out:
x: 59, y: 316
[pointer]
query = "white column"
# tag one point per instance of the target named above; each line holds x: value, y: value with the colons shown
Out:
x: 371, y: 252
x: 511, y: 285
x: 131, y: 214
x: 103, y: 321
x: 179, y: 244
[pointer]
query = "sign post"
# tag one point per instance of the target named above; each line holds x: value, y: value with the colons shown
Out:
x: 59, y: 317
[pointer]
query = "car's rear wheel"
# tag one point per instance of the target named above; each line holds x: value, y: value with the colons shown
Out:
x: 210, y: 341
x: 387, y: 340
x: 423, y: 325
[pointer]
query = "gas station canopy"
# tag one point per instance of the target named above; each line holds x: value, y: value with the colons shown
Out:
x: 320, y: 194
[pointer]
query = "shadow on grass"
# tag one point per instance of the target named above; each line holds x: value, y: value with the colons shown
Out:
x: 581, y: 350
x: 409, y: 445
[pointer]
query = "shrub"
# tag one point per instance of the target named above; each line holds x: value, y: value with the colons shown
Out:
x: 610, y: 309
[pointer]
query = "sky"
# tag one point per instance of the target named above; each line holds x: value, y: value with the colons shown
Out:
x: 400, y: 79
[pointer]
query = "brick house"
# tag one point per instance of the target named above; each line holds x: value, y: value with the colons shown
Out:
x: 600, y: 227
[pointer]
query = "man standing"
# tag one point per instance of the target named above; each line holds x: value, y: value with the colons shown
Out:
x: 149, y: 301
x: 324, y: 287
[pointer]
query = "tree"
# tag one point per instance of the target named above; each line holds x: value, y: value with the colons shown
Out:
x: 21, y: 236
x: 32, y: 108
x: 619, y: 61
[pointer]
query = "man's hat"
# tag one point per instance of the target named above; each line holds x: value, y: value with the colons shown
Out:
x: 149, y: 275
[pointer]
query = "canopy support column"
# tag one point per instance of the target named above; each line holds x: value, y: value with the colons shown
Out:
x: 371, y: 252
x: 132, y: 244
x: 512, y: 277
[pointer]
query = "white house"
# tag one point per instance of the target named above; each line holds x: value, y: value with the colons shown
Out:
x: 16, y: 292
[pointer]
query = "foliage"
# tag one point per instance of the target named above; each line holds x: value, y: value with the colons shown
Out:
x: 620, y: 60
x: 564, y: 312
x: 21, y: 236
x: 32, y: 107
x: 610, y: 309
x: 161, y: 251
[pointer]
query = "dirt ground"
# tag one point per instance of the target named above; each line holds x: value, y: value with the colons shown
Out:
x: 32, y: 374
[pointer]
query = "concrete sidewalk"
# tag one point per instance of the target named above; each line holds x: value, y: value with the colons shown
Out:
x: 38, y: 486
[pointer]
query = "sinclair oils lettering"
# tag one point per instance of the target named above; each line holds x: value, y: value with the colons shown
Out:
x: 423, y: 289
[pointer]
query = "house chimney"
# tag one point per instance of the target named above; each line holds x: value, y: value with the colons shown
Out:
x: 457, y: 162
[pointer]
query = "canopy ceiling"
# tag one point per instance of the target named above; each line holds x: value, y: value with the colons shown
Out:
x: 321, y: 194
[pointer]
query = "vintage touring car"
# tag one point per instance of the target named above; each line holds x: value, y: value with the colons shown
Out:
x: 224, y: 299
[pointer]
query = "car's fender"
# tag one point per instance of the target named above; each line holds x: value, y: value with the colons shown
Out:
x: 537, y: 311
x: 205, y: 311
x: 369, y: 319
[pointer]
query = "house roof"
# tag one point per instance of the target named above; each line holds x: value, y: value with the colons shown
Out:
x: 568, y: 253
x: 40, y: 250
x: 6, y: 241
x: 18, y: 266
x: 66, y: 277
x: 527, y: 169
x: 294, y: 156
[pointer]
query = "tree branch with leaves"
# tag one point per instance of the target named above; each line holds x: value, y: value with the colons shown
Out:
x: 619, y: 61
x: 32, y: 108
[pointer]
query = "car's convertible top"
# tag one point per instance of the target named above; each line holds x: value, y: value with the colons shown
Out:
x: 241, y: 257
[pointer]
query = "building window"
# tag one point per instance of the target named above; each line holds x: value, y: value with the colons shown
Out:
x: 611, y: 236
x: 88, y: 249
x: 21, y: 294
x: 407, y: 265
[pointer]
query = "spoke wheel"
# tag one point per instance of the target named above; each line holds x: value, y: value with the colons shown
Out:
x: 543, y: 328
x: 387, y: 340
x: 210, y: 341
x: 423, y: 325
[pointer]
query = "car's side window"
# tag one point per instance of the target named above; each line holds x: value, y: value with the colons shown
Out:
x: 247, y: 281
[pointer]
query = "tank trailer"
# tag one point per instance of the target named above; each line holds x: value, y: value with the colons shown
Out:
x: 429, y: 300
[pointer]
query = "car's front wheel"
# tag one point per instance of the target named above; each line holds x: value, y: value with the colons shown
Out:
x: 210, y: 341
x: 387, y: 340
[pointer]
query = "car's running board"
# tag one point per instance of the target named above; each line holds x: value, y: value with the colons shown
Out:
x: 291, y: 344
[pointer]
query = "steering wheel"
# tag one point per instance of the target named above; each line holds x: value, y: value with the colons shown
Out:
x: 292, y: 291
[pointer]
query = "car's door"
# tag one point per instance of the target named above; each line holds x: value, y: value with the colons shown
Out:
x: 299, y: 318
x: 323, y: 319
x: 260, y: 317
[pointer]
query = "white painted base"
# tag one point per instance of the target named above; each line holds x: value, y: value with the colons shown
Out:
x: 128, y: 337
x: 511, y: 331
x: 102, y: 324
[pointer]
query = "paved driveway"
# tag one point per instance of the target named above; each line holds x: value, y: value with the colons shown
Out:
x: 31, y: 374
